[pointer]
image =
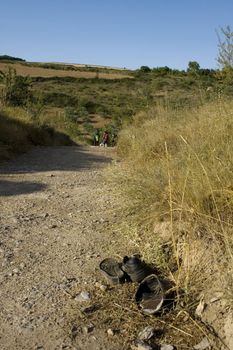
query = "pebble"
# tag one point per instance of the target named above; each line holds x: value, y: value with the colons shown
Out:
x: 101, y: 286
x: 97, y: 284
x: 22, y: 265
x: 83, y: 296
x: 88, y: 329
x: 15, y: 271
x: 204, y: 344
x: 15, y: 220
x: 146, y: 333
x: 200, y: 308
x: 93, y: 338
x: 141, y: 345
x: 166, y: 347
x: 110, y: 332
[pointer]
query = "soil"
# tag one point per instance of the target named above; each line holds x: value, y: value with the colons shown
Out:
x: 55, y: 218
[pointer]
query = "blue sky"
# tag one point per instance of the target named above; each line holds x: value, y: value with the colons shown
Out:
x: 119, y: 33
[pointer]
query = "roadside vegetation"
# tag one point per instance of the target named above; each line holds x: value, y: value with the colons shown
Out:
x: 176, y: 181
x: 178, y: 172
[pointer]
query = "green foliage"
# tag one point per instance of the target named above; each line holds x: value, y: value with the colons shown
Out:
x: 225, y: 53
x: 16, y: 88
x: 193, y: 68
x: 164, y: 71
x: 145, y: 69
x: 10, y: 58
x: 79, y: 114
x: 34, y: 108
x: 88, y: 127
x: 87, y: 105
x: 71, y: 113
x: 83, y: 112
x: 59, y: 99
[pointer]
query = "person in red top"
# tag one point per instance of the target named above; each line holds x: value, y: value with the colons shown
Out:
x: 105, y: 139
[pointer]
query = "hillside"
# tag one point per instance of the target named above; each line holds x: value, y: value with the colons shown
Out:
x: 75, y: 100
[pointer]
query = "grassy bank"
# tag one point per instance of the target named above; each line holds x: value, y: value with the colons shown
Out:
x: 19, y: 131
x: 176, y: 181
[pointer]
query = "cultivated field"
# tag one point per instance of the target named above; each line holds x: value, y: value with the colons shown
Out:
x: 48, y: 72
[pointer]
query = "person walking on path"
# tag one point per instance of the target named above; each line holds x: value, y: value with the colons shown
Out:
x: 96, y: 138
x: 105, y: 140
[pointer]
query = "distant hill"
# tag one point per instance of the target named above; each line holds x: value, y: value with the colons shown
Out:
x: 11, y: 58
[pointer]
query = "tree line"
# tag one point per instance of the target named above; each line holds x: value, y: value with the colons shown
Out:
x: 224, y: 60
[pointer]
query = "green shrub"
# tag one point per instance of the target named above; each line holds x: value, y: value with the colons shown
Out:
x: 71, y: 113
x: 59, y: 99
x: 16, y: 88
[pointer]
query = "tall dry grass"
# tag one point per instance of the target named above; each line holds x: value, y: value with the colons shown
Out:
x: 176, y: 179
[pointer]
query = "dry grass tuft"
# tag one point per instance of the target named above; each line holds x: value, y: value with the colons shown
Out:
x: 176, y: 180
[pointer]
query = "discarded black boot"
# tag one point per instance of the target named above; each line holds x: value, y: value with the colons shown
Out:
x: 112, y: 270
x: 150, y: 294
x: 135, y: 268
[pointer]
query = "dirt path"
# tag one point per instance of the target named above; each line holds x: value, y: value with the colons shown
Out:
x: 55, y: 227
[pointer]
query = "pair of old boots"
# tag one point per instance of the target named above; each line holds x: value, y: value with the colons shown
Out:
x: 150, y: 294
x: 131, y: 269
